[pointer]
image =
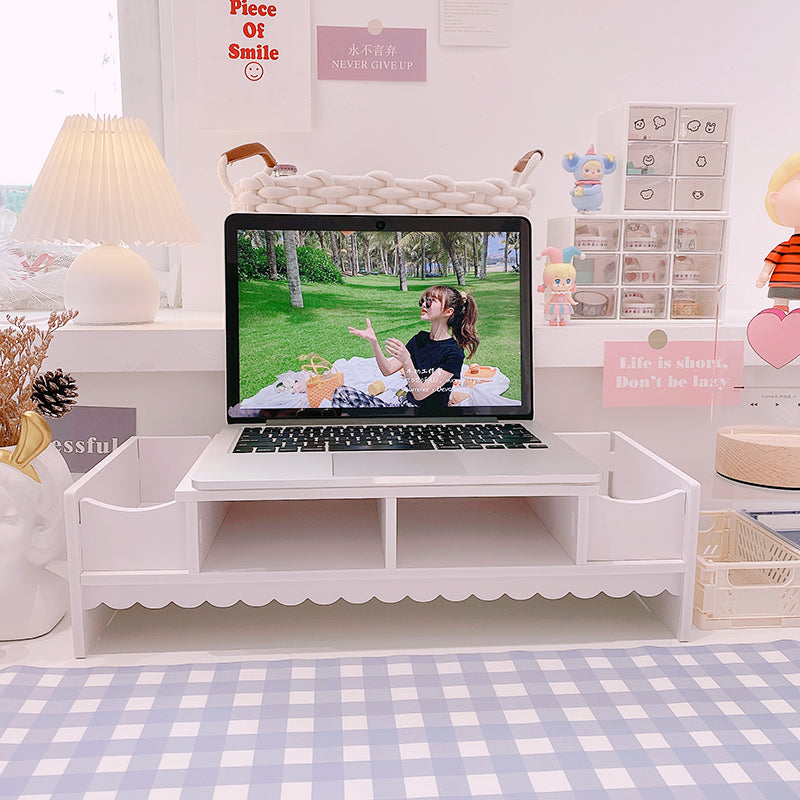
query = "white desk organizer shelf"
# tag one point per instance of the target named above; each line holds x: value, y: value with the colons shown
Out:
x: 643, y: 267
x: 138, y: 532
x: 657, y: 248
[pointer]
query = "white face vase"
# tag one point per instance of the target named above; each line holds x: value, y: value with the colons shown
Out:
x: 32, y: 598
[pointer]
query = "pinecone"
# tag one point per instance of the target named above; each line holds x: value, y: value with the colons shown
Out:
x: 53, y: 393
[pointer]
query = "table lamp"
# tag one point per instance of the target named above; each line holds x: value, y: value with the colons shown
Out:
x: 105, y: 182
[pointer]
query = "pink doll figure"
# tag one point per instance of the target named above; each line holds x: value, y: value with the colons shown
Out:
x: 588, y: 171
x: 782, y: 265
x: 558, y: 284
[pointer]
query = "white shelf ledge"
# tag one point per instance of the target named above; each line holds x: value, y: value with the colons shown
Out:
x: 581, y: 344
x: 177, y: 341
x: 192, y: 341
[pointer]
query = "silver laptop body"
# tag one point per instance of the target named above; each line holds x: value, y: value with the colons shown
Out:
x: 304, y: 354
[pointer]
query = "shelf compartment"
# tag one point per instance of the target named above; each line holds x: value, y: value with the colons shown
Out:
x: 649, y: 158
x: 595, y: 303
x: 643, y: 303
x: 698, y: 124
x: 599, y: 234
x: 648, y: 194
x: 480, y: 532
x: 696, y: 268
x: 646, y: 508
x: 125, y: 509
x: 298, y: 535
x: 647, y: 235
x: 697, y: 235
x: 689, y: 303
x: 700, y: 158
x: 645, y: 268
x: 651, y: 122
x: 699, y: 194
x: 597, y: 268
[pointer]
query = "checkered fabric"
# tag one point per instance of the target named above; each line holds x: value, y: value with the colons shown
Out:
x: 713, y: 722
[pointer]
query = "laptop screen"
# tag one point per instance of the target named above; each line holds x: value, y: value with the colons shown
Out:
x: 366, y: 316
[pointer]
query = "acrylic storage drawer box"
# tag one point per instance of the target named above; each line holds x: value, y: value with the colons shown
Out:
x: 703, y: 124
x: 648, y: 194
x: 651, y: 122
x: 746, y: 575
x: 649, y: 158
x: 597, y: 268
x: 595, y: 303
x: 699, y: 194
x: 127, y: 517
x: 699, y: 158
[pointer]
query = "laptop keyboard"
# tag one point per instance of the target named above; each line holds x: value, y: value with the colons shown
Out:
x: 346, y: 438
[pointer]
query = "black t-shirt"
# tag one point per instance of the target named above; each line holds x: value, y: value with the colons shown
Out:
x: 429, y: 355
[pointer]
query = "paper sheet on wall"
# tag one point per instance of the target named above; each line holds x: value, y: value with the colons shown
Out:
x: 253, y: 63
x: 476, y: 23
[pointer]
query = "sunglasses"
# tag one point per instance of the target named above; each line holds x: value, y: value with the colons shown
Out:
x: 426, y: 301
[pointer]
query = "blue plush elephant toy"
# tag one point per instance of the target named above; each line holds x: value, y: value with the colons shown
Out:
x: 589, y: 170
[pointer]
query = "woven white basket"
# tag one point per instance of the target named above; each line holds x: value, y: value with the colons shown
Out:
x: 377, y: 192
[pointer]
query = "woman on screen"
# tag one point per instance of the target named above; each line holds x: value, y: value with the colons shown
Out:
x: 431, y: 360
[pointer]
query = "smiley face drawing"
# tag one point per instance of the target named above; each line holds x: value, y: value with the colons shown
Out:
x: 253, y: 71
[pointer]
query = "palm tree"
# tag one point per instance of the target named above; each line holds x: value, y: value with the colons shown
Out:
x: 292, y: 269
x: 513, y: 244
x: 384, y: 244
x: 484, y: 256
x: 451, y: 242
x: 354, y: 249
x: 400, y: 261
x: 336, y: 254
x: 272, y: 262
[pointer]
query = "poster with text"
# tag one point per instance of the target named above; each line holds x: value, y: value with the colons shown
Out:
x: 253, y: 63
x: 358, y: 54
x: 88, y: 434
x: 679, y: 374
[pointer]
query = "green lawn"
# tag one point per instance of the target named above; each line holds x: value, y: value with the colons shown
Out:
x: 321, y: 326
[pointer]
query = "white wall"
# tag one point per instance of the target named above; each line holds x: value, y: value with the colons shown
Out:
x: 478, y: 112
x: 481, y: 108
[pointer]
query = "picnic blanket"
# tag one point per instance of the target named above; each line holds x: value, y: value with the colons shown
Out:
x: 360, y: 373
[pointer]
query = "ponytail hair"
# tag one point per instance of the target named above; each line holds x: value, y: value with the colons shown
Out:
x: 464, y: 319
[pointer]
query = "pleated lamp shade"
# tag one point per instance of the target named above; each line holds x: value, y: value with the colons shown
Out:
x: 105, y: 182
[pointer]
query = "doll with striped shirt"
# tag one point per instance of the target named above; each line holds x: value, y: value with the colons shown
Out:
x: 782, y: 265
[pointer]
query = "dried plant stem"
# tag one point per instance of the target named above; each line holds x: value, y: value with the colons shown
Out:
x: 23, y: 348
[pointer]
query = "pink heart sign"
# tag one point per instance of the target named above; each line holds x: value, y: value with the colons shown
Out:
x: 775, y: 336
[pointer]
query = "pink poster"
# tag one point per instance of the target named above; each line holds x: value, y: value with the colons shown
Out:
x: 355, y: 54
x: 678, y: 374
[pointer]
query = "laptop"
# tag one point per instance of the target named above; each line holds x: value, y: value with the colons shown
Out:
x: 366, y: 350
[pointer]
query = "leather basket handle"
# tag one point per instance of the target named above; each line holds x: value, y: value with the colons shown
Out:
x: 526, y: 165
x: 237, y: 154
x: 248, y: 150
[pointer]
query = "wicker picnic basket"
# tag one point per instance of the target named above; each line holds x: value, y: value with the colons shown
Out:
x: 377, y: 192
x: 323, y: 379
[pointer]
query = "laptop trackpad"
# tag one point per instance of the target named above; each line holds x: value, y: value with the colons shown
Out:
x: 390, y: 463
